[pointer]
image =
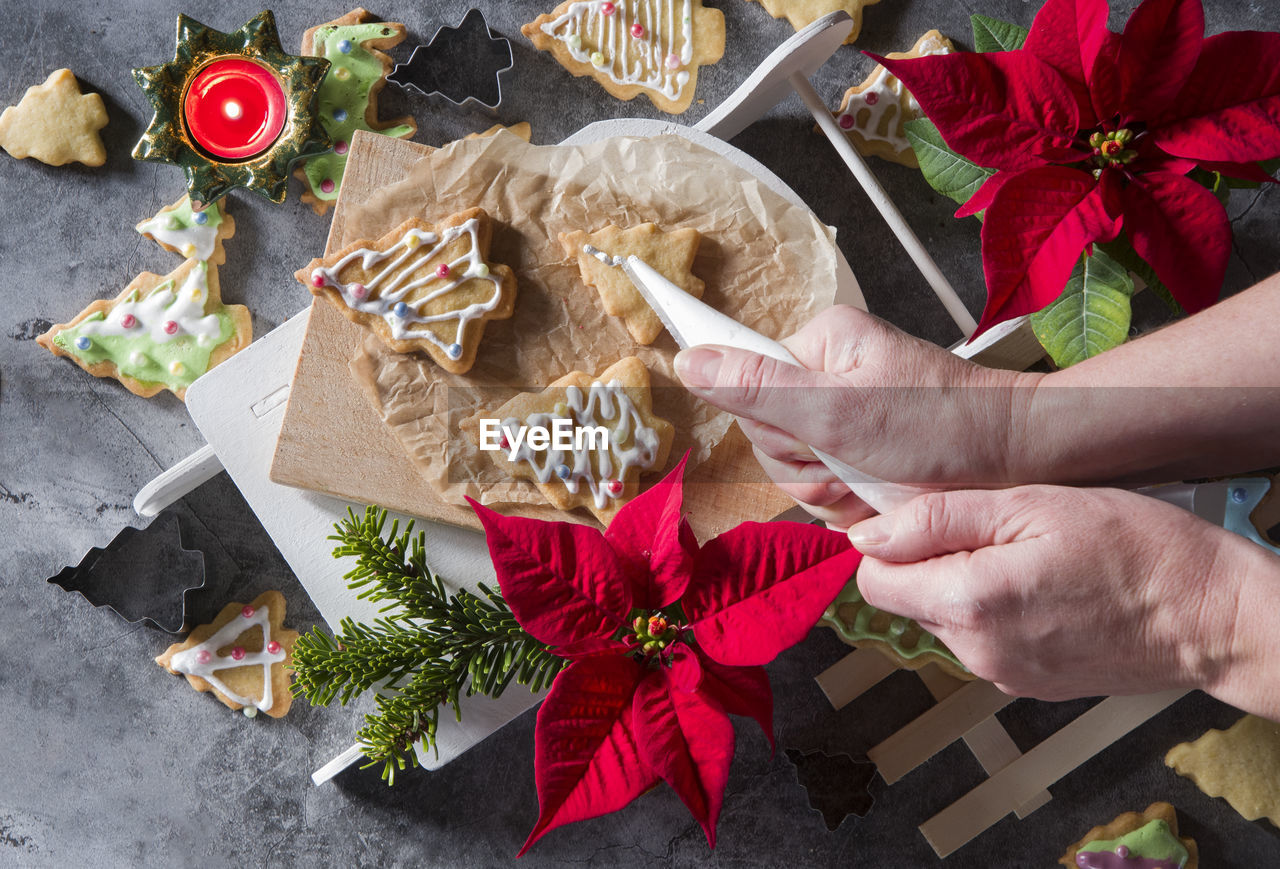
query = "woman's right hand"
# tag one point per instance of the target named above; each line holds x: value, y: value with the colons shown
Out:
x: 890, y: 405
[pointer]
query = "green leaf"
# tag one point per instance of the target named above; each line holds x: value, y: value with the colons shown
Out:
x: 1121, y: 250
x: 946, y: 171
x: 991, y: 34
x: 1091, y: 316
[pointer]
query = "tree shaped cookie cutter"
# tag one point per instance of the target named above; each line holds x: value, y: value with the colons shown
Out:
x: 463, y: 64
x: 145, y: 574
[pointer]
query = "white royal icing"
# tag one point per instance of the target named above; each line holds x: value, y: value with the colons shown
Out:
x: 159, y: 308
x: 629, y: 60
x: 194, y: 240
x: 187, y: 661
x: 389, y: 287
x: 604, y: 403
x: 884, y: 92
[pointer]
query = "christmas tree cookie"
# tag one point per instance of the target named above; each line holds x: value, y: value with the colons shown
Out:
x: 180, y: 229
x: 56, y: 124
x: 1142, y: 840
x: 242, y: 656
x: 671, y: 253
x: 161, y: 332
x: 802, y: 13
x: 421, y: 287
x: 1240, y: 764
x: 596, y: 472
x: 873, y: 114
x: 905, y: 643
x: 349, y: 95
x: 632, y: 47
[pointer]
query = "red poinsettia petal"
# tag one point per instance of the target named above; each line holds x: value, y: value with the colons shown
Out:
x: 1105, y: 85
x: 686, y: 668
x: 645, y: 534
x: 1181, y: 229
x: 1067, y: 35
x: 1002, y: 110
x: 688, y: 741
x: 586, y: 758
x: 740, y: 691
x: 1159, y: 49
x: 1033, y: 235
x: 981, y: 198
x: 1230, y: 109
x: 758, y: 588
x: 562, y: 581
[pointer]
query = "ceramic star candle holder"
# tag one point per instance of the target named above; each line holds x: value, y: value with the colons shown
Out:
x: 233, y: 110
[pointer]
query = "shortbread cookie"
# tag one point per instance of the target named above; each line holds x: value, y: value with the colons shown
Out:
x: 56, y: 124
x: 873, y: 114
x: 1148, y: 839
x: 521, y: 130
x: 632, y: 47
x: 904, y: 642
x: 188, y: 233
x: 242, y: 656
x: 349, y: 95
x: 421, y: 287
x: 802, y: 13
x: 162, y: 331
x: 671, y: 253
x: 599, y: 476
x: 1240, y: 764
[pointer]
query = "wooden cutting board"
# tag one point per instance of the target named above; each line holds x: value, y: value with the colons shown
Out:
x: 333, y: 441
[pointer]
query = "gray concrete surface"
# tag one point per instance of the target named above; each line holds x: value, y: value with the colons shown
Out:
x: 107, y: 761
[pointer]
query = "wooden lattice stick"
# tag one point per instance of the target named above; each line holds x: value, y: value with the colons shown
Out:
x: 854, y: 675
x: 936, y: 729
x: 1040, y: 767
x: 880, y: 199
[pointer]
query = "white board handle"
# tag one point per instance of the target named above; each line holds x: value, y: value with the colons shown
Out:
x: 190, y: 473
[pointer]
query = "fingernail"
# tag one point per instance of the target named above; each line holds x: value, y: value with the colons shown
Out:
x: 872, y: 532
x: 698, y: 367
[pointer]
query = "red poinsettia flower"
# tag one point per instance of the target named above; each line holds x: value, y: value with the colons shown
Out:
x: 665, y: 640
x: 1093, y: 133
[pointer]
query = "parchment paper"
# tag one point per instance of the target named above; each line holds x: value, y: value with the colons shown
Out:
x: 766, y: 263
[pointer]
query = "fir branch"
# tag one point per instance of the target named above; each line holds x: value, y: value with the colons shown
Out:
x: 430, y: 648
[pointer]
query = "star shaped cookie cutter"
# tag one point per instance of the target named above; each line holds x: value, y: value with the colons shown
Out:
x: 463, y: 64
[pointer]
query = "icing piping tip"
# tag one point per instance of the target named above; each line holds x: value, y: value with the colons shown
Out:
x: 611, y: 261
x: 462, y: 64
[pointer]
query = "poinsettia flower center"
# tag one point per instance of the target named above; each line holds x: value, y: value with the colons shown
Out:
x: 1112, y: 148
x: 652, y: 633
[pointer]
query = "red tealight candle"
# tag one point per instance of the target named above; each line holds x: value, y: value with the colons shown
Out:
x: 234, y: 108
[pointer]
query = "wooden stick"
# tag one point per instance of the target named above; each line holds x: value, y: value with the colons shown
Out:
x: 936, y: 729
x: 1040, y: 767
x: 924, y: 262
x: 854, y: 675
x: 338, y: 764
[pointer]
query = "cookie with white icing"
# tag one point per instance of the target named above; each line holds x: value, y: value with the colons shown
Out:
x: 242, y: 656
x: 593, y: 474
x: 162, y: 331
x: 421, y: 287
x: 671, y: 253
x: 633, y: 47
x: 873, y: 114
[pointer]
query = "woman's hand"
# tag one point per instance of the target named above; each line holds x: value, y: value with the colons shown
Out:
x: 891, y: 405
x: 1057, y: 592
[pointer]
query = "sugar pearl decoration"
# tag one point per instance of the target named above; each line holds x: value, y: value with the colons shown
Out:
x: 358, y: 291
x: 615, y: 487
x: 250, y: 711
x: 845, y: 122
x: 170, y: 327
x: 339, y: 115
x: 673, y: 61
x: 871, y: 98
x: 203, y: 656
x: 637, y: 30
x: 188, y: 250
x: 562, y: 471
x: 317, y: 280
x: 237, y: 654
x: 137, y: 359
x: 344, y: 46
x: 607, y: 8
x: 273, y: 648
x: 340, y: 147
x: 401, y: 310
x: 342, y: 73
x: 442, y: 270
x: 326, y: 186
x: 83, y: 343
x: 201, y: 218
x: 248, y: 612
x: 128, y: 321
x: 176, y: 368
x: 412, y: 240
x: 481, y: 271
x: 455, y: 351
x: 597, y: 59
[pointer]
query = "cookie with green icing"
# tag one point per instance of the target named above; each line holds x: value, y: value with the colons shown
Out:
x: 1135, y: 840
x: 189, y: 233
x: 349, y: 95
x: 162, y: 331
x: 903, y: 640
